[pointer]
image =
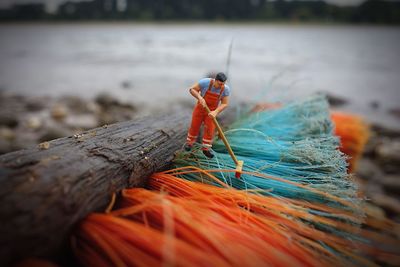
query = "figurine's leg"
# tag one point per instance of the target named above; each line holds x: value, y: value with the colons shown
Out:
x: 209, y: 131
x: 208, y: 135
x: 197, y: 120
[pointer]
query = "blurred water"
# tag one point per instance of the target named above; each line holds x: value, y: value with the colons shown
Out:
x: 160, y: 61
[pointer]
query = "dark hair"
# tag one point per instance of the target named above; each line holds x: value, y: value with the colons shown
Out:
x: 221, y: 77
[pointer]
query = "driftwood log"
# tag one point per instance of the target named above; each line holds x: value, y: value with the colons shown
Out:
x: 46, y: 190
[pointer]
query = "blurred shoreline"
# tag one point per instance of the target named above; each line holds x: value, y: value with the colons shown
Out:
x: 189, y: 23
x: 151, y: 63
x: 379, y: 12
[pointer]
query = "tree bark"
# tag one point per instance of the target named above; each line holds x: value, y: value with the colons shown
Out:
x: 46, y: 190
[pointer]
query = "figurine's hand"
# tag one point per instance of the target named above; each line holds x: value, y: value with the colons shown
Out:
x: 202, y: 102
x: 213, y: 114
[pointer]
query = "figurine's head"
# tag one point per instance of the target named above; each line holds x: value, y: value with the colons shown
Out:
x: 221, y: 77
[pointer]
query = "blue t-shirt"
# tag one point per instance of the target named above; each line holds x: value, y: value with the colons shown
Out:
x: 204, y: 83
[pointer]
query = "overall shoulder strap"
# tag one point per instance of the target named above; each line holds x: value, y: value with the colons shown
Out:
x: 221, y: 91
x: 210, y: 84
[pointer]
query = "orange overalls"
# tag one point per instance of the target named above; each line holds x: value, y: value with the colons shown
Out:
x: 200, y: 115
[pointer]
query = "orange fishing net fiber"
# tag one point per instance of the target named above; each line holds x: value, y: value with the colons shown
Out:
x: 183, y: 223
x: 353, y: 132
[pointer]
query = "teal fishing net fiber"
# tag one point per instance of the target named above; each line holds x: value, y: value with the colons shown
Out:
x: 293, y: 143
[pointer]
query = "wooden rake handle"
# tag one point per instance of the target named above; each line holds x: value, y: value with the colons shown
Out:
x: 222, y: 135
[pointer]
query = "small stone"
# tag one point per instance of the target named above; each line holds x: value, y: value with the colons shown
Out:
x: 7, y: 134
x: 374, y: 104
x: 75, y: 104
x: 93, y: 107
x: 34, y: 123
x: 44, y: 145
x: 34, y: 105
x: 59, y: 112
x: 82, y: 121
x: 389, y: 150
x: 76, y: 136
x: 336, y: 101
x: 388, y: 155
x: 126, y: 85
x: 105, y: 100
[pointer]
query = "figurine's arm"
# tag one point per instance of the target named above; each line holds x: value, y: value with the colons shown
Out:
x: 220, y: 108
x: 195, y: 92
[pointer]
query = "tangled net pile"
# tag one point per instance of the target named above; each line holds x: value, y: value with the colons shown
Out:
x: 295, y: 204
x: 294, y: 143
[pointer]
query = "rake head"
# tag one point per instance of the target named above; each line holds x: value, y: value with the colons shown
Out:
x: 239, y: 168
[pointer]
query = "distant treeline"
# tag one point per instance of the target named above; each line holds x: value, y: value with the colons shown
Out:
x: 371, y: 11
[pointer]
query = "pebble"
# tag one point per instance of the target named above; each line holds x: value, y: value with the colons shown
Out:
x: 35, y: 104
x: 7, y: 134
x: 336, y: 101
x: 59, y: 112
x: 83, y: 121
x: 93, y: 107
x: 44, y: 145
x: 34, y: 123
x: 374, y: 104
x: 389, y: 151
x: 126, y: 85
x: 75, y: 104
x: 105, y: 100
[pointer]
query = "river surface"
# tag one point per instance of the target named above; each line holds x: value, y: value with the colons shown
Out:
x: 153, y: 65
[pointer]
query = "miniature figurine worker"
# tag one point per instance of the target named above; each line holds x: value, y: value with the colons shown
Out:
x: 208, y: 92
